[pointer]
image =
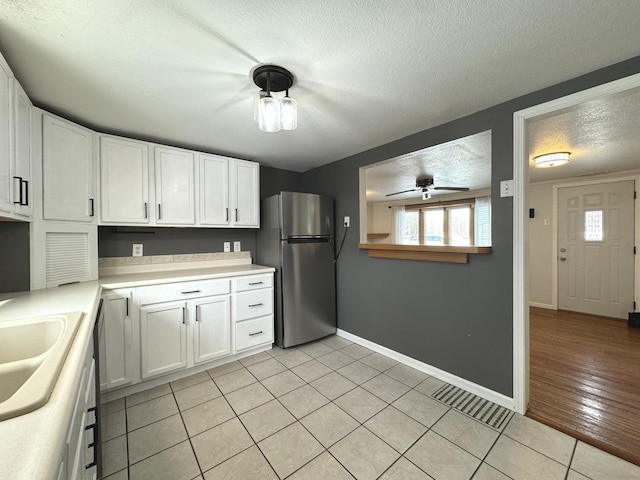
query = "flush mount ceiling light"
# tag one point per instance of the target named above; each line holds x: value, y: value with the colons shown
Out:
x: 549, y: 160
x: 274, y: 114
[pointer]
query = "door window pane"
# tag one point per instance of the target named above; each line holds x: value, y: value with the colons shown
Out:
x: 434, y: 226
x: 593, y: 226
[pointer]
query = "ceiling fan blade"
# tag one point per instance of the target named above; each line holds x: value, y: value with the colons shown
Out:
x: 404, y: 191
x: 459, y: 189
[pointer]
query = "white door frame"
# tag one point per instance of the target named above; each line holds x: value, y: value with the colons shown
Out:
x: 520, y: 228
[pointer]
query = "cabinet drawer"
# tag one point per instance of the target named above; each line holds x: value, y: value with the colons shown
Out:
x: 253, y: 282
x: 253, y: 304
x: 182, y: 290
x: 254, y: 332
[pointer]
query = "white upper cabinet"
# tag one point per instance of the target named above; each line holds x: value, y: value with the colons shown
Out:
x: 175, y: 186
x: 67, y: 168
x: 6, y: 136
x: 214, y: 190
x: 124, y: 181
x: 244, y: 193
x: 22, y: 186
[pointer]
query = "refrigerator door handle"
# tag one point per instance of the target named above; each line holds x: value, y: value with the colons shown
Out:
x: 309, y: 239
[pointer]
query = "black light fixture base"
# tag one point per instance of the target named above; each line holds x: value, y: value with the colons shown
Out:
x: 281, y: 79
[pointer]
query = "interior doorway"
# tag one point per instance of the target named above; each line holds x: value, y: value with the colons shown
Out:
x: 522, y: 161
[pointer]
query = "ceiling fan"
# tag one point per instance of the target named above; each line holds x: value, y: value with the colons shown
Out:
x: 425, y: 184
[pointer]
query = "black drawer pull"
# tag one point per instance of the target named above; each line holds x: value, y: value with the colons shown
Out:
x: 191, y: 291
x: 255, y: 333
x: 94, y: 427
x: 256, y: 283
x: 256, y: 305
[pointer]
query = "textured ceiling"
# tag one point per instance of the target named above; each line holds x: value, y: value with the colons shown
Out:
x: 368, y: 72
x: 465, y: 162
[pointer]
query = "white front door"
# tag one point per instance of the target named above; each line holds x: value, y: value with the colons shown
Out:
x: 595, y: 248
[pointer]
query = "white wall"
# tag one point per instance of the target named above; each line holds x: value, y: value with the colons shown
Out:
x: 541, y: 245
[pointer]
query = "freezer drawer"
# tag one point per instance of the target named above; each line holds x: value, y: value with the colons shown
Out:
x: 308, y: 293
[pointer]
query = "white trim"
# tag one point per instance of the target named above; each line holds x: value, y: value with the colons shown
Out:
x: 542, y: 305
x: 474, y: 388
x: 520, y: 199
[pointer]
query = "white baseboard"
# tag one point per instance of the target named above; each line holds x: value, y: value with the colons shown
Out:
x: 474, y: 388
x: 541, y: 305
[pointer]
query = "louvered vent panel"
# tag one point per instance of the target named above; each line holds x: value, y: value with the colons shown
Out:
x: 67, y: 257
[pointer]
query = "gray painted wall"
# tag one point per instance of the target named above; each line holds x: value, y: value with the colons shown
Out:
x: 455, y: 317
x: 14, y: 257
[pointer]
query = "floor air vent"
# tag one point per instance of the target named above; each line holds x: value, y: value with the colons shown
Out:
x: 476, y: 407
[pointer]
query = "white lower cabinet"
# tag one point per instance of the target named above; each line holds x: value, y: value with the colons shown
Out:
x: 211, y: 329
x: 163, y: 338
x: 176, y: 326
x: 79, y: 458
x: 116, y: 351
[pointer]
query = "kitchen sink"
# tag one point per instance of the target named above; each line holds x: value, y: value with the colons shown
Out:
x: 32, y: 353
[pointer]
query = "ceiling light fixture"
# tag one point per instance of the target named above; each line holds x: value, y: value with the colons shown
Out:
x: 274, y: 114
x: 549, y: 160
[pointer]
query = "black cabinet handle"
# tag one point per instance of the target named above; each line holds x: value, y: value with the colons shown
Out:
x: 94, y: 427
x: 226, y: 216
x: 255, y: 333
x: 256, y: 283
x: 19, y: 202
x: 159, y: 212
x: 236, y: 214
x: 190, y: 291
x: 26, y: 193
x: 91, y: 212
x: 146, y: 210
x: 256, y: 304
x: 127, y: 306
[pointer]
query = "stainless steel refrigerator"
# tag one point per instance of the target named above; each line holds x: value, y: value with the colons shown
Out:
x: 297, y: 238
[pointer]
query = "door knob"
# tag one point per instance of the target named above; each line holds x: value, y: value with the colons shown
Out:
x: 563, y: 250
x: 563, y: 258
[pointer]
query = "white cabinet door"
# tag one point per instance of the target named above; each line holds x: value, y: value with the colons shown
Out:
x: 22, y: 185
x: 211, y: 329
x: 163, y: 340
x: 116, y: 353
x: 67, y: 164
x: 175, y: 186
x: 245, y: 193
x: 214, y: 190
x: 6, y: 136
x: 124, y: 180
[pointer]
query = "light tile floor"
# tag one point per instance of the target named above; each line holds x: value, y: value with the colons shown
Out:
x: 329, y: 410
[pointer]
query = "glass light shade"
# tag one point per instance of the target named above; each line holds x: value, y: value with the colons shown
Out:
x: 256, y: 102
x: 549, y: 160
x: 289, y: 116
x: 269, y: 114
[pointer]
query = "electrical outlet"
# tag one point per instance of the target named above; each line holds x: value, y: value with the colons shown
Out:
x: 227, y: 246
x: 347, y: 222
x: 137, y: 250
x: 236, y: 246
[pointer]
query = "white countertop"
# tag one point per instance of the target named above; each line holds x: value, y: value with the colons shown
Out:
x: 31, y: 445
x: 156, y: 278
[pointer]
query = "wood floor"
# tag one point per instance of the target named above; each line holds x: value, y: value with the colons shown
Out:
x: 585, y: 379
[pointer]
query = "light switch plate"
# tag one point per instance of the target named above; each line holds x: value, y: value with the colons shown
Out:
x: 506, y: 188
x: 136, y: 250
x: 227, y: 246
x: 236, y: 246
